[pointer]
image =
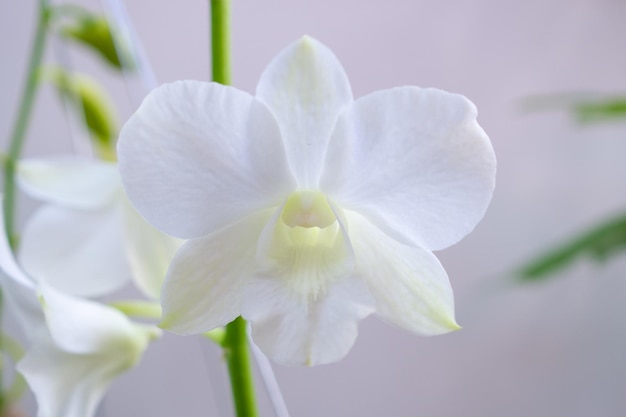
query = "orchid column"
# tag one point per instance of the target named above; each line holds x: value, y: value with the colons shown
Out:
x: 234, y: 343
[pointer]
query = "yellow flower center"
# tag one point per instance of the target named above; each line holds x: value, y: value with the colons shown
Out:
x: 307, y: 247
x: 307, y: 209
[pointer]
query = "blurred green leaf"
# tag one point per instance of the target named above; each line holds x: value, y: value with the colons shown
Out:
x: 598, y: 243
x: 607, y: 109
x: 90, y: 101
x: 94, y: 32
x: 586, y: 107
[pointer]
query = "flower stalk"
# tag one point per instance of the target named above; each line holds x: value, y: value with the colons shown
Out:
x: 16, y: 142
x: 235, y: 343
x: 220, y: 41
x: 237, y: 357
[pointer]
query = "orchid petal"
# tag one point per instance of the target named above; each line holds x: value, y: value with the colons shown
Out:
x: 23, y: 305
x: 70, y: 368
x: 293, y: 332
x: 69, y: 181
x: 149, y: 252
x: 76, y: 251
x: 409, y: 284
x: 8, y: 264
x: 82, y: 326
x: 66, y: 384
x: 415, y: 162
x: 306, y: 88
x: 205, y: 282
x: 72, y: 385
x: 19, y: 292
x: 198, y: 156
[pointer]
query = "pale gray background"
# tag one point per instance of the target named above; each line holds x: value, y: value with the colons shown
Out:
x: 557, y: 349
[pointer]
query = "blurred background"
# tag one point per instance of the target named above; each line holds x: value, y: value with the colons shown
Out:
x: 551, y: 348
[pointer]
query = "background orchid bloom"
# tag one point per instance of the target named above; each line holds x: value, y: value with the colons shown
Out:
x: 307, y: 210
x: 76, y: 347
x: 89, y: 241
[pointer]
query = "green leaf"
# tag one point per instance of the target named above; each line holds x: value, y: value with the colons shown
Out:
x: 599, y: 244
x: 612, y: 108
x: 92, y: 104
x: 95, y: 32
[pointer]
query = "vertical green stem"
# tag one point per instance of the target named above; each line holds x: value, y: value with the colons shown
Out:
x: 220, y: 41
x: 235, y: 342
x: 240, y: 368
x: 18, y: 134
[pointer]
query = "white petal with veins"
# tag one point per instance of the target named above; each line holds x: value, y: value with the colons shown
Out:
x: 415, y: 162
x: 306, y: 88
x: 203, y: 156
x: 319, y: 331
x: 410, y: 286
x: 207, y: 277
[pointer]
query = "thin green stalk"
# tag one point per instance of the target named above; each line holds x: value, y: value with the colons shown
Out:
x: 220, y: 41
x: 18, y: 134
x: 235, y: 342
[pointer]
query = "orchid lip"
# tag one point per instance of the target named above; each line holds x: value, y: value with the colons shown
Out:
x: 305, y: 245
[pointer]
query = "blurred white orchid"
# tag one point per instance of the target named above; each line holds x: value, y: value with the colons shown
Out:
x: 76, y: 347
x: 307, y: 210
x: 89, y: 241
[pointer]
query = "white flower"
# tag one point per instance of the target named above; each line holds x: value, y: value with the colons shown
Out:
x: 89, y: 241
x: 76, y: 347
x: 307, y: 210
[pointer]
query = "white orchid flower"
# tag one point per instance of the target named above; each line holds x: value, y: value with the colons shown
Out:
x: 89, y: 241
x: 76, y: 347
x: 307, y: 210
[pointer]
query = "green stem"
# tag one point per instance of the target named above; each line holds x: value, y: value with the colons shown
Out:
x: 16, y: 142
x: 220, y: 41
x: 240, y: 368
x: 235, y: 342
